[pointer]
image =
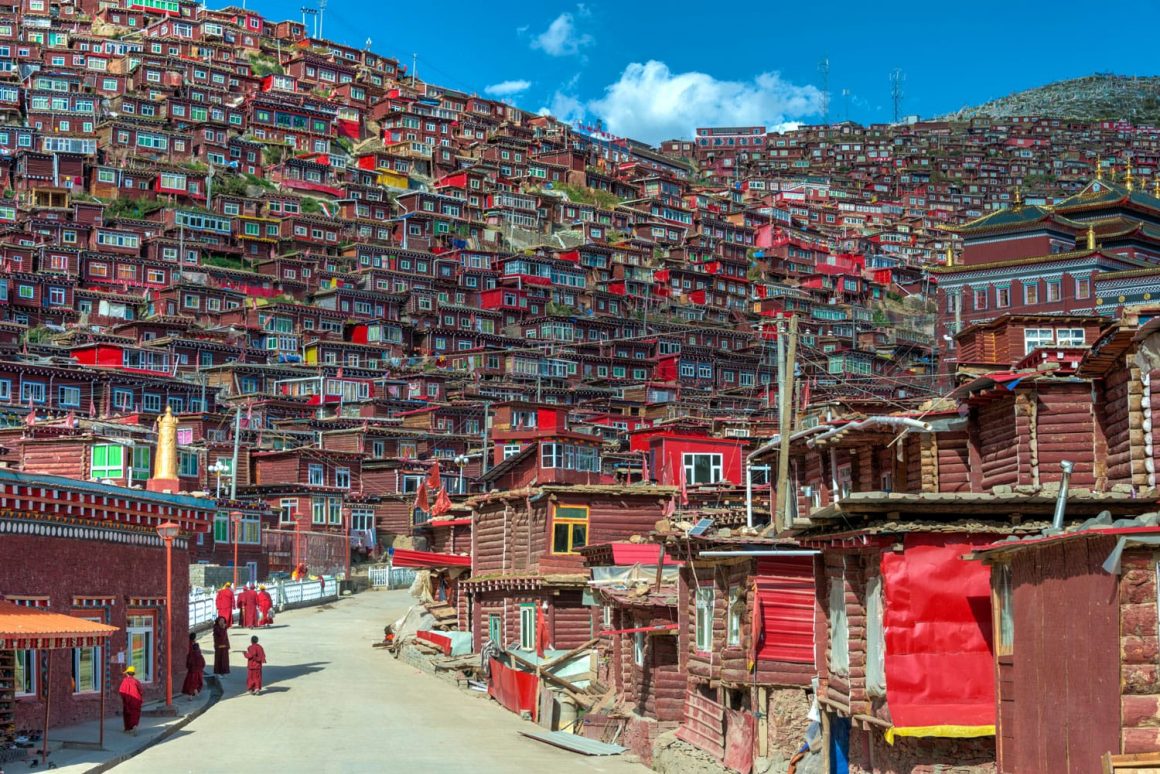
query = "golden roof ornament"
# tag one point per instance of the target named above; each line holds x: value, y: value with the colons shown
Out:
x: 950, y: 255
x: 1091, y: 237
x: 1018, y: 196
x: 1099, y: 168
x: 1128, y: 176
x: 1156, y: 187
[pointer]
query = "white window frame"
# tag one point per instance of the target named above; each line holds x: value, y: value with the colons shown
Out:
x: 716, y: 467
x: 703, y: 630
x: 145, y: 670
x: 528, y: 626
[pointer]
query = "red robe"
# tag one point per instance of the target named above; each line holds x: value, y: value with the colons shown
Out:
x: 255, y: 657
x: 265, y: 604
x: 221, y: 650
x: 130, y: 691
x: 194, y: 667
x: 225, y: 605
x: 248, y: 604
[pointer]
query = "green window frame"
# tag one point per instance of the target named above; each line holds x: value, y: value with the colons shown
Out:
x: 108, y: 461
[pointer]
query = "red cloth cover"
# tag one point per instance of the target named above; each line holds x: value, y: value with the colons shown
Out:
x: 937, y: 618
x: 442, y: 641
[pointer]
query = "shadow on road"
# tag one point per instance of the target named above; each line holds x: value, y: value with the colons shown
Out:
x: 277, y: 674
x: 275, y: 689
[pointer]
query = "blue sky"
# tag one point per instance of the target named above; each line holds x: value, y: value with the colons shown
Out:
x: 657, y: 70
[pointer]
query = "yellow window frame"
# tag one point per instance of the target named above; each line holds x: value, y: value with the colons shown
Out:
x: 571, y: 522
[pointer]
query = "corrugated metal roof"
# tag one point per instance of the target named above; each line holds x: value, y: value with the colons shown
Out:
x: 574, y: 743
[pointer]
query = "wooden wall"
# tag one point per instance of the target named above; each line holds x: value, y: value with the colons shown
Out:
x: 953, y: 462
x: 1064, y: 430
x: 997, y: 437
x: 1059, y: 690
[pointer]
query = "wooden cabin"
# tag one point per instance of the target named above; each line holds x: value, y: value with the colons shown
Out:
x: 1075, y: 633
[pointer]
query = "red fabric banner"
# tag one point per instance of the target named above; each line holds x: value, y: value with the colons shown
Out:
x: 512, y: 688
x: 442, y: 641
x: 401, y: 557
x: 937, y: 622
x: 697, y: 296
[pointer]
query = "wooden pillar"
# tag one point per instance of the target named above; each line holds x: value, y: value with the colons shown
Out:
x: 763, y: 722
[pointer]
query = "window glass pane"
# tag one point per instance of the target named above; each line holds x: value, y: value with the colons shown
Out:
x: 560, y: 538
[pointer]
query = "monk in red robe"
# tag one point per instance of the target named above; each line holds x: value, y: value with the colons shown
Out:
x: 131, y: 700
x: 265, y: 605
x: 248, y: 605
x: 225, y: 603
x: 194, y: 668
x: 221, y: 646
x: 255, y: 657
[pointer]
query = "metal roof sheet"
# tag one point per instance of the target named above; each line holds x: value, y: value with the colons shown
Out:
x: 574, y: 743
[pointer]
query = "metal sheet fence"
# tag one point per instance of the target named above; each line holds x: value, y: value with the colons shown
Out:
x: 286, y: 595
x: 391, y: 577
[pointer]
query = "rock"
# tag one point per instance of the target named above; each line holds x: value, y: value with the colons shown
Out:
x: 726, y: 532
x: 1001, y: 489
x: 1122, y: 488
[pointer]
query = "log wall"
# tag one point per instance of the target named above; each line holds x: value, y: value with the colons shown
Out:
x: 953, y: 462
x: 1064, y: 430
x: 997, y: 438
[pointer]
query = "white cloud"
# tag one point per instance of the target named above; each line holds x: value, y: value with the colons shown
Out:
x: 651, y: 103
x: 562, y: 38
x: 564, y: 107
x: 507, y: 88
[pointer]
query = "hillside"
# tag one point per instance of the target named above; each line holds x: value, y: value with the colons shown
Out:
x: 1092, y: 98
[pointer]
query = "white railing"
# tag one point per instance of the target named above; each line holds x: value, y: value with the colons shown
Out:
x: 286, y: 594
x: 391, y: 577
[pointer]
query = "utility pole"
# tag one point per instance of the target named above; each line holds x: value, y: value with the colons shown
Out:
x: 824, y: 69
x: 896, y: 93
x: 321, y: 11
x: 785, y: 428
x: 484, y: 459
x: 237, y: 445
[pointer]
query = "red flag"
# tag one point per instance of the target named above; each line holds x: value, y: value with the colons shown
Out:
x: 92, y: 407
x: 697, y: 296
x: 541, y: 629
x: 644, y: 471
x: 442, y: 503
x: 434, y: 476
x: 684, y: 488
x: 662, y: 276
x: 617, y: 288
x: 664, y: 291
x: 30, y: 420
x: 421, y: 503
x: 761, y: 290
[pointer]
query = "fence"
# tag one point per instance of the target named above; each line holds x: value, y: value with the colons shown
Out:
x: 286, y: 595
x: 323, y: 553
x: 391, y: 577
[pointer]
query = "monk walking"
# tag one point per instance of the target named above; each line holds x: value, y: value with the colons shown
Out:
x: 265, y: 605
x: 221, y: 646
x: 248, y: 604
x: 255, y: 657
x: 194, y: 669
x: 131, y: 700
x: 225, y: 603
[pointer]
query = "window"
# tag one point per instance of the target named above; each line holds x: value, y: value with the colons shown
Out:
x: 26, y: 668
x: 1083, y: 287
x: 288, y: 510
x: 151, y: 402
x: 875, y: 639
x: 704, y: 622
x: 552, y: 455
x: 342, y: 478
x: 107, y: 461
x: 68, y: 397
x: 221, y: 528
x: 318, y: 510
x: 1030, y: 293
x: 528, y: 627
x: 702, y: 468
x: 140, y: 463
x: 510, y: 450
x: 1070, y: 337
x: 638, y: 648
x: 1054, y: 290
x: 494, y: 629
x: 335, y: 510
x: 1002, y: 297
x: 140, y: 655
x: 122, y: 399
x: 315, y: 475
x: 1004, y: 613
x: 86, y: 668
x: 569, y: 528
x: 736, y: 611
x: 980, y: 298
x: 1034, y: 338
x: 187, y: 464
x: 839, y: 629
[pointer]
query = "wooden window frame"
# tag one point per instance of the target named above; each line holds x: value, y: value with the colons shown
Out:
x: 571, y: 522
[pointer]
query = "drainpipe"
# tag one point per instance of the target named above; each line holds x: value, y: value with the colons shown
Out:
x: 1061, y: 500
x: 749, y: 492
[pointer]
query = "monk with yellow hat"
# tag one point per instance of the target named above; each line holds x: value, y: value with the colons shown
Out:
x: 225, y: 603
x: 265, y: 607
x: 131, y: 700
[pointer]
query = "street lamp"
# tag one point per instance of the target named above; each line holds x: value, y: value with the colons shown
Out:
x: 349, y: 518
x: 219, y: 468
x: 167, y: 532
x: 236, y: 523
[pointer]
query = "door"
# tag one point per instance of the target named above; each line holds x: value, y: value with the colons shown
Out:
x: 493, y: 629
x: 839, y: 744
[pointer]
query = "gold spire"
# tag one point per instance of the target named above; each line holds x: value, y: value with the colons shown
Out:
x: 1091, y: 237
x: 1018, y: 196
x: 1156, y: 187
x: 1128, y: 175
x: 950, y: 254
x: 1099, y: 168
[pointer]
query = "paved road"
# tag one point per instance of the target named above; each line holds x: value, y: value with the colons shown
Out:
x: 334, y: 704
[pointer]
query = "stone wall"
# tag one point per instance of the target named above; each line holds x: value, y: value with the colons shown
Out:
x: 1139, y: 644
